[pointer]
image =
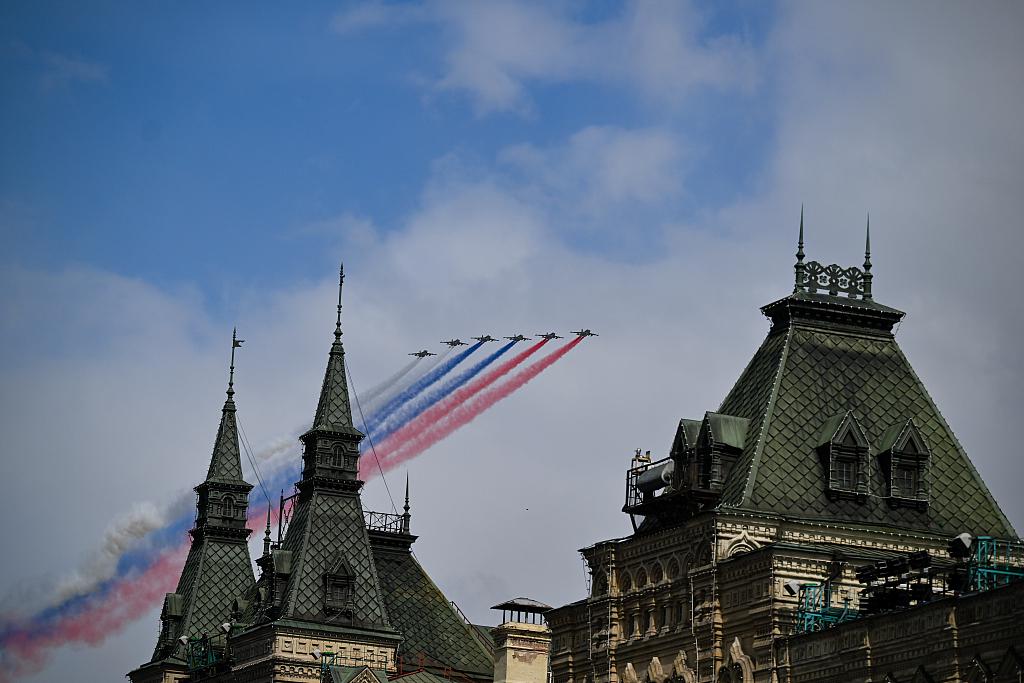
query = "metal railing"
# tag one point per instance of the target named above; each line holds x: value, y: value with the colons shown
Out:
x: 385, y: 521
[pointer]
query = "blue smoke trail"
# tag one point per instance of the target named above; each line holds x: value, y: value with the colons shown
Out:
x: 376, y: 391
x: 417, y: 387
x: 389, y: 424
x: 372, y: 404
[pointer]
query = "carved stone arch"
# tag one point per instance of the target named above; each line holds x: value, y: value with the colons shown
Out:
x: 738, y: 668
x: 625, y: 581
x: 657, y: 572
x: 641, y: 578
x: 977, y: 672
x: 672, y: 569
x: 629, y: 675
x: 1011, y: 668
x: 743, y: 543
x: 681, y: 669
x: 655, y: 672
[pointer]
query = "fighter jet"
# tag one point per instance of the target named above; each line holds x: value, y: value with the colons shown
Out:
x: 422, y: 354
x: 584, y: 333
x: 550, y: 336
x: 484, y: 338
x: 455, y: 342
x: 517, y: 338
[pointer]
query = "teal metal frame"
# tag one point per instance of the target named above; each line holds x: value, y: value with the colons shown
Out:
x: 995, y: 563
x: 816, y: 612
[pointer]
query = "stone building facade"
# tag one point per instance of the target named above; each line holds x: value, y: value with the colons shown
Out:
x: 827, y: 454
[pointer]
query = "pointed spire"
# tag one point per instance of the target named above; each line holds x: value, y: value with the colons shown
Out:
x: 235, y: 343
x: 406, y: 516
x: 798, y: 286
x: 333, y: 411
x: 226, y: 463
x: 341, y: 283
x: 867, y: 261
x: 266, y: 535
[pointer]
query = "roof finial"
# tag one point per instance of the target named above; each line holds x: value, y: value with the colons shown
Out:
x: 341, y: 283
x: 266, y: 535
x: 235, y: 343
x: 799, y: 268
x: 867, y: 260
x: 406, y: 515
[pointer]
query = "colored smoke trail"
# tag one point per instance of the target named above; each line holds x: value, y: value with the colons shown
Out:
x: 422, y: 367
x: 417, y: 387
x: 390, y: 381
x: 438, y: 411
x: 408, y: 412
x: 26, y: 648
x: 465, y: 413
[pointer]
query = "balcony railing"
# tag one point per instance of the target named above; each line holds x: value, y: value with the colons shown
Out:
x: 386, y: 522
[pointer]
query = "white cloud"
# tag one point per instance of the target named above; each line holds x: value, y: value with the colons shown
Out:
x: 495, y: 50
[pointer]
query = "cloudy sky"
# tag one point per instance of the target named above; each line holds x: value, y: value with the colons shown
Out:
x: 170, y: 171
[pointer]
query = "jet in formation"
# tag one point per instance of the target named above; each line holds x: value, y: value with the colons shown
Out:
x: 485, y: 338
x: 455, y: 342
x: 584, y: 333
x: 550, y: 336
x: 422, y: 354
x: 517, y: 338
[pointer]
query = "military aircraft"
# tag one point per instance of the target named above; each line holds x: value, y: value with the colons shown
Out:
x: 455, y: 342
x: 584, y: 333
x: 517, y: 338
x: 422, y: 354
x: 484, y: 338
x: 550, y: 336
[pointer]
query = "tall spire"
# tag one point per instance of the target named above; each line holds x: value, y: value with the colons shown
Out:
x: 867, y: 260
x: 798, y: 286
x: 405, y: 515
x: 235, y: 343
x: 266, y: 535
x: 226, y: 462
x: 341, y: 283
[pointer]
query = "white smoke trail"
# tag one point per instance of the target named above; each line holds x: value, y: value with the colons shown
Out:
x: 373, y: 405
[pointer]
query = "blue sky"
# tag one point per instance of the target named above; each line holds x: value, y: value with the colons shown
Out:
x: 173, y: 170
x: 135, y: 133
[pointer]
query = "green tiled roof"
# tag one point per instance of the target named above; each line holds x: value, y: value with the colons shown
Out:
x: 820, y: 361
x: 215, y: 573
x: 327, y: 529
x: 425, y: 617
x: 346, y: 674
x: 334, y: 411
x: 226, y: 463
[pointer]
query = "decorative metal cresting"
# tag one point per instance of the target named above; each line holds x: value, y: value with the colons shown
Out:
x: 833, y: 279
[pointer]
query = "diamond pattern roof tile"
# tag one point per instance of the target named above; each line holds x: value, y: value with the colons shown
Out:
x: 805, y: 372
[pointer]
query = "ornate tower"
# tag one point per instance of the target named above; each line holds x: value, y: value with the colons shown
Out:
x: 319, y: 591
x: 218, y: 568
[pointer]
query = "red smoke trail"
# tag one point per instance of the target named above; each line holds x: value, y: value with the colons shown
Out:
x: 467, y: 412
x: 440, y: 410
x: 127, y: 602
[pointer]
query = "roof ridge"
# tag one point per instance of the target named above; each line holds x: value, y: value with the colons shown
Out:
x: 956, y: 441
x: 762, y: 428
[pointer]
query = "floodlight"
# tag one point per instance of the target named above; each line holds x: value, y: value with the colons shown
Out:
x: 183, y: 640
x: 866, y: 573
x: 792, y: 587
x: 960, y: 546
x: 226, y: 627
x: 316, y: 653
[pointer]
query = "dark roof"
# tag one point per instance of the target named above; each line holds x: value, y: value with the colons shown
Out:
x: 425, y: 617
x: 326, y: 530
x: 226, y: 462
x: 346, y: 674
x: 215, y: 573
x: 421, y: 676
x: 817, y: 362
x: 333, y: 410
x: 523, y: 605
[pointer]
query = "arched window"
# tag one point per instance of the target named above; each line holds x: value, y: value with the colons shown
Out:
x: 673, y: 569
x: 337, y: 455
x: 641, y: 578
x: 656, y: 573
x: 625, y: 582
x: 227, y: 507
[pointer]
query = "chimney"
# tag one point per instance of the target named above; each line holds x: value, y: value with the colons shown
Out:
x: 523, y: 642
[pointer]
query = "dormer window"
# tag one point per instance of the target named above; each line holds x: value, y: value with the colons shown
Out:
x: 843, y: 448
x: 338, y: 591
x: 904, y: 457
